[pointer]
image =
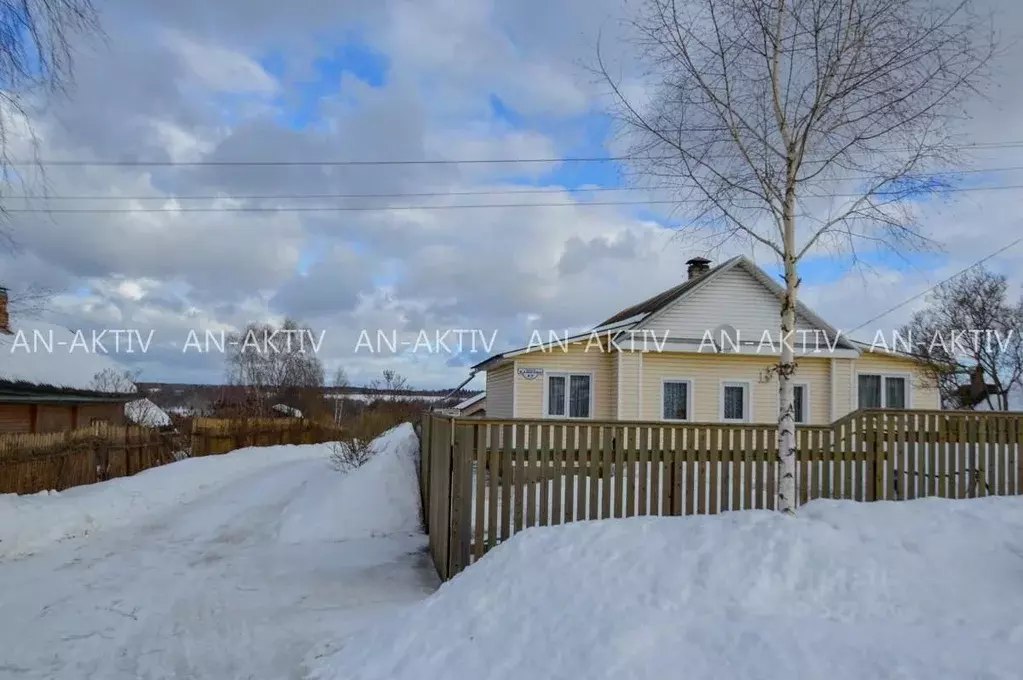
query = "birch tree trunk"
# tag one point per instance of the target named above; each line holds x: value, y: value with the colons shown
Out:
x: 787, y: 368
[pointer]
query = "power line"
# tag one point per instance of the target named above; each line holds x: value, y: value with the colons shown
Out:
x: 456, y: 206
x: 939, y: 283
x: 437, y: 194
x: 58, y: 162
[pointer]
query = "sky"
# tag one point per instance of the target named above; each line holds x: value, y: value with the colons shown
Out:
x: 242, y: 80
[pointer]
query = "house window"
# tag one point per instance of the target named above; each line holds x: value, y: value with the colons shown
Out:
x: 882, y: 391
x: 675, y: 399
x: 800, y: 402
x: 735, y: 402
x: 568, y: 394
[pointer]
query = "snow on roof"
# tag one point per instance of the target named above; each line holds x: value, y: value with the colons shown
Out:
x: 145, y: 412
x: 46, y: 354
x: 287, y: 410
x: 471, y: 400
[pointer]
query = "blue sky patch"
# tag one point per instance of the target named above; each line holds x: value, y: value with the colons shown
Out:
x: 301, y: 101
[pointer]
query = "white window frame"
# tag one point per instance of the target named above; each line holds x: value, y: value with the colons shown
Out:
x: 806, y: 402
x: 908, y: 377
x: 567, y: 375
x: 689, y: 400
x: 747, y: 406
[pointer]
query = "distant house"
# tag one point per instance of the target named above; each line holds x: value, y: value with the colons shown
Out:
x: 46, y: 380
x: 703, y: 351
x: 289, y: 411
x: 147, y: 414
x: 473, y: 407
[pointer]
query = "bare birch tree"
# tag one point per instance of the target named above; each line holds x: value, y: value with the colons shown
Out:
x: 798, y: 125
x: 36, y: 59
x: 274, y: 361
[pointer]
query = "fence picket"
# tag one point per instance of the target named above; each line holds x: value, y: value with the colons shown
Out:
x: 1003, y: 455
x: 482, y: 433
x: 631, y: 460
x: 507, y: 456
x: 596, y: 461
x: 643, y: 472
x: 484, y: 480
x: 572, y: 455
x: 581, y: 472
x: 714, y: 471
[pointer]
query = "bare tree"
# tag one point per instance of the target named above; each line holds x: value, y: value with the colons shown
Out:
x: 393, y: 382
x: 796, y: 125
x: 970, y: 333
x: 28, y: 301
x: 36, y: 58
x: 113, y: 381
x: 276, y: 362
x: 340, y: 381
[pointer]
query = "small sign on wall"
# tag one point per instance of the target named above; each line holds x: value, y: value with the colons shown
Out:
x: 530, y: 373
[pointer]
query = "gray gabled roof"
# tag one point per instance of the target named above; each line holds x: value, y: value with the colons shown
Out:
x: 665, y: 298
x: 634, y: 316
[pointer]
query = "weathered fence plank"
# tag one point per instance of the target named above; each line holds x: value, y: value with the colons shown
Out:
x: 487, y: 479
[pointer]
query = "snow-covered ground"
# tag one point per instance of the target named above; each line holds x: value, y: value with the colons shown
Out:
x: 233, y: 566
x: 915, y: 589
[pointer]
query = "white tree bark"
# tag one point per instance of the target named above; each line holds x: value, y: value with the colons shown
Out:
x: 786, y: 370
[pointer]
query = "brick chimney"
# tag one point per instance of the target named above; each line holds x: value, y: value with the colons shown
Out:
x: 698, y: 266
x: 5, y: 319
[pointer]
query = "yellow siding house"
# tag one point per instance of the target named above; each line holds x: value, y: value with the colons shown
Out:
x: 703, y: 351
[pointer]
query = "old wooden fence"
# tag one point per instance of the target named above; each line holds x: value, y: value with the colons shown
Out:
x: 485, y: 479
x: 37, y: 462
x: 213, y: 436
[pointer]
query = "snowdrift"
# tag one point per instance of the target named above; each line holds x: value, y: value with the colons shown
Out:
x: 380, y: 498
x: 29, y: 523
x: 919, y: 589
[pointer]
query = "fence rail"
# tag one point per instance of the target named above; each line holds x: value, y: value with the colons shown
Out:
x: 30, y: 463
x: 483, y: 480
x: 213, y: 436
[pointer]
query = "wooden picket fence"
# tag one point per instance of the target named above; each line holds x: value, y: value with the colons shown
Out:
x: 214, y: 436
x: 30, y: 463
x: 483, y: 480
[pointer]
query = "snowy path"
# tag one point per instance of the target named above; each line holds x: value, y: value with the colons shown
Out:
x: 204, y: 590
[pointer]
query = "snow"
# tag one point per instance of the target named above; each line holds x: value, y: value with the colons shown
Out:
x: 199, y: 583
x: 31, y: 522
x: 45, y: 354
x: 338, y: 509
x: 914, y: 589
x: 146, y: 413
x: 471, y: 400
x: 287, y: 410
x: 383, y: 396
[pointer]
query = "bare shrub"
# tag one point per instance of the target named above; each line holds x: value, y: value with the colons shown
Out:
x: 350, y: 453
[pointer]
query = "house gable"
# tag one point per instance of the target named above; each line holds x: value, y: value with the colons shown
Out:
x: 738, y: 296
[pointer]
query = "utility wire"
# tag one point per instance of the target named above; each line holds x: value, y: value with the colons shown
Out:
x: 939, y: 283
x: 408, y: 161
x: 474, y: 192
x: 456, y: 206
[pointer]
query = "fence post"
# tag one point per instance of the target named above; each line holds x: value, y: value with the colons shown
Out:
x: 461, y: 479
x: 425, y: 449
x: 876, y: 454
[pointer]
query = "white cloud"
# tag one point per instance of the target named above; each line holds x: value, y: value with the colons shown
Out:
x: 158, y: 93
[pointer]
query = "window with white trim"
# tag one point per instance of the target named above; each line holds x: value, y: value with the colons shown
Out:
x: 568, y: 395
x: 877, y: 390
x: 676, y: 397
x: 800, y: 403
x: 735, y: 402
